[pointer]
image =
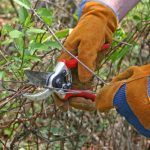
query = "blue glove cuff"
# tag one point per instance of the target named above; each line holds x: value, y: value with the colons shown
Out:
x: 82, y: 4
x: 123, y: 108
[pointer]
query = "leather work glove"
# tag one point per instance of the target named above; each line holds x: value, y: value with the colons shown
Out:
x: 129, y: 93
x: 95, y: 27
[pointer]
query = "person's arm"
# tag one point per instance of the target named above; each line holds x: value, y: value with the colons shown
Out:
x: 120, y: 7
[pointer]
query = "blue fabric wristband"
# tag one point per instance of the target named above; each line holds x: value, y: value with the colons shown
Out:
x: 123, y: 108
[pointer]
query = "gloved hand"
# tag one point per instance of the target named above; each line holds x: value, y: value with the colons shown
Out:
x: 95, y: 27
x: 129, y: 93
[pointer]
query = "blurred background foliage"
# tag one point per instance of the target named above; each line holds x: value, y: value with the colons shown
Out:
x: 25, y: 43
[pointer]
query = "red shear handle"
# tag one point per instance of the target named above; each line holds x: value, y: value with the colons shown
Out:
x: 86, y: 95
x: 72, y: 63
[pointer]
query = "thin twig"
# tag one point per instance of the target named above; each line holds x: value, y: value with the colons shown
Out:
x: 56, y: 38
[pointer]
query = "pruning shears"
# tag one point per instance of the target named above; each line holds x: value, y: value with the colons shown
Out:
x: 59, y: 81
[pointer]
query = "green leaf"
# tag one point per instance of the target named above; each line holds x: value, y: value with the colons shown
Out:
x: 6, y: 29
x: 15, y: 34
x: 35, y: 30
x: 46, y: 46
x: 46, y: 15
x: 28, y: 23
x: 137, y: 18
x: 8, y: 131
x: 2, y: 62
x: 120, y: 34
x: 119, y: 54
x: 53, y: 44
x: 24, y: 3
x: 75, y: 16
x: 37, y: 46
x: 57, y: 147
x: 23, y: 14
x: 7, y: 42
x: 20, y: 44
x: 55, y: 130
x: 62, y: 33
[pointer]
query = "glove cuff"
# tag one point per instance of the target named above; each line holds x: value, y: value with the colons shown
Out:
x: 124, y: 109
x: 83, y: 2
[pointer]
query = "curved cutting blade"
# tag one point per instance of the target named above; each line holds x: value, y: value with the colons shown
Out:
x: 38, y: 78
x: 38, y: 96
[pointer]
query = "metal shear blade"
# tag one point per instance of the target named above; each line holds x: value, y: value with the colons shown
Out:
x: 38, y: 79
x: 38, y: 96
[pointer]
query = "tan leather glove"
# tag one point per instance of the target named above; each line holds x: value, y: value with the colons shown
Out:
x: 129, y: 93
x: 95, y: 27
